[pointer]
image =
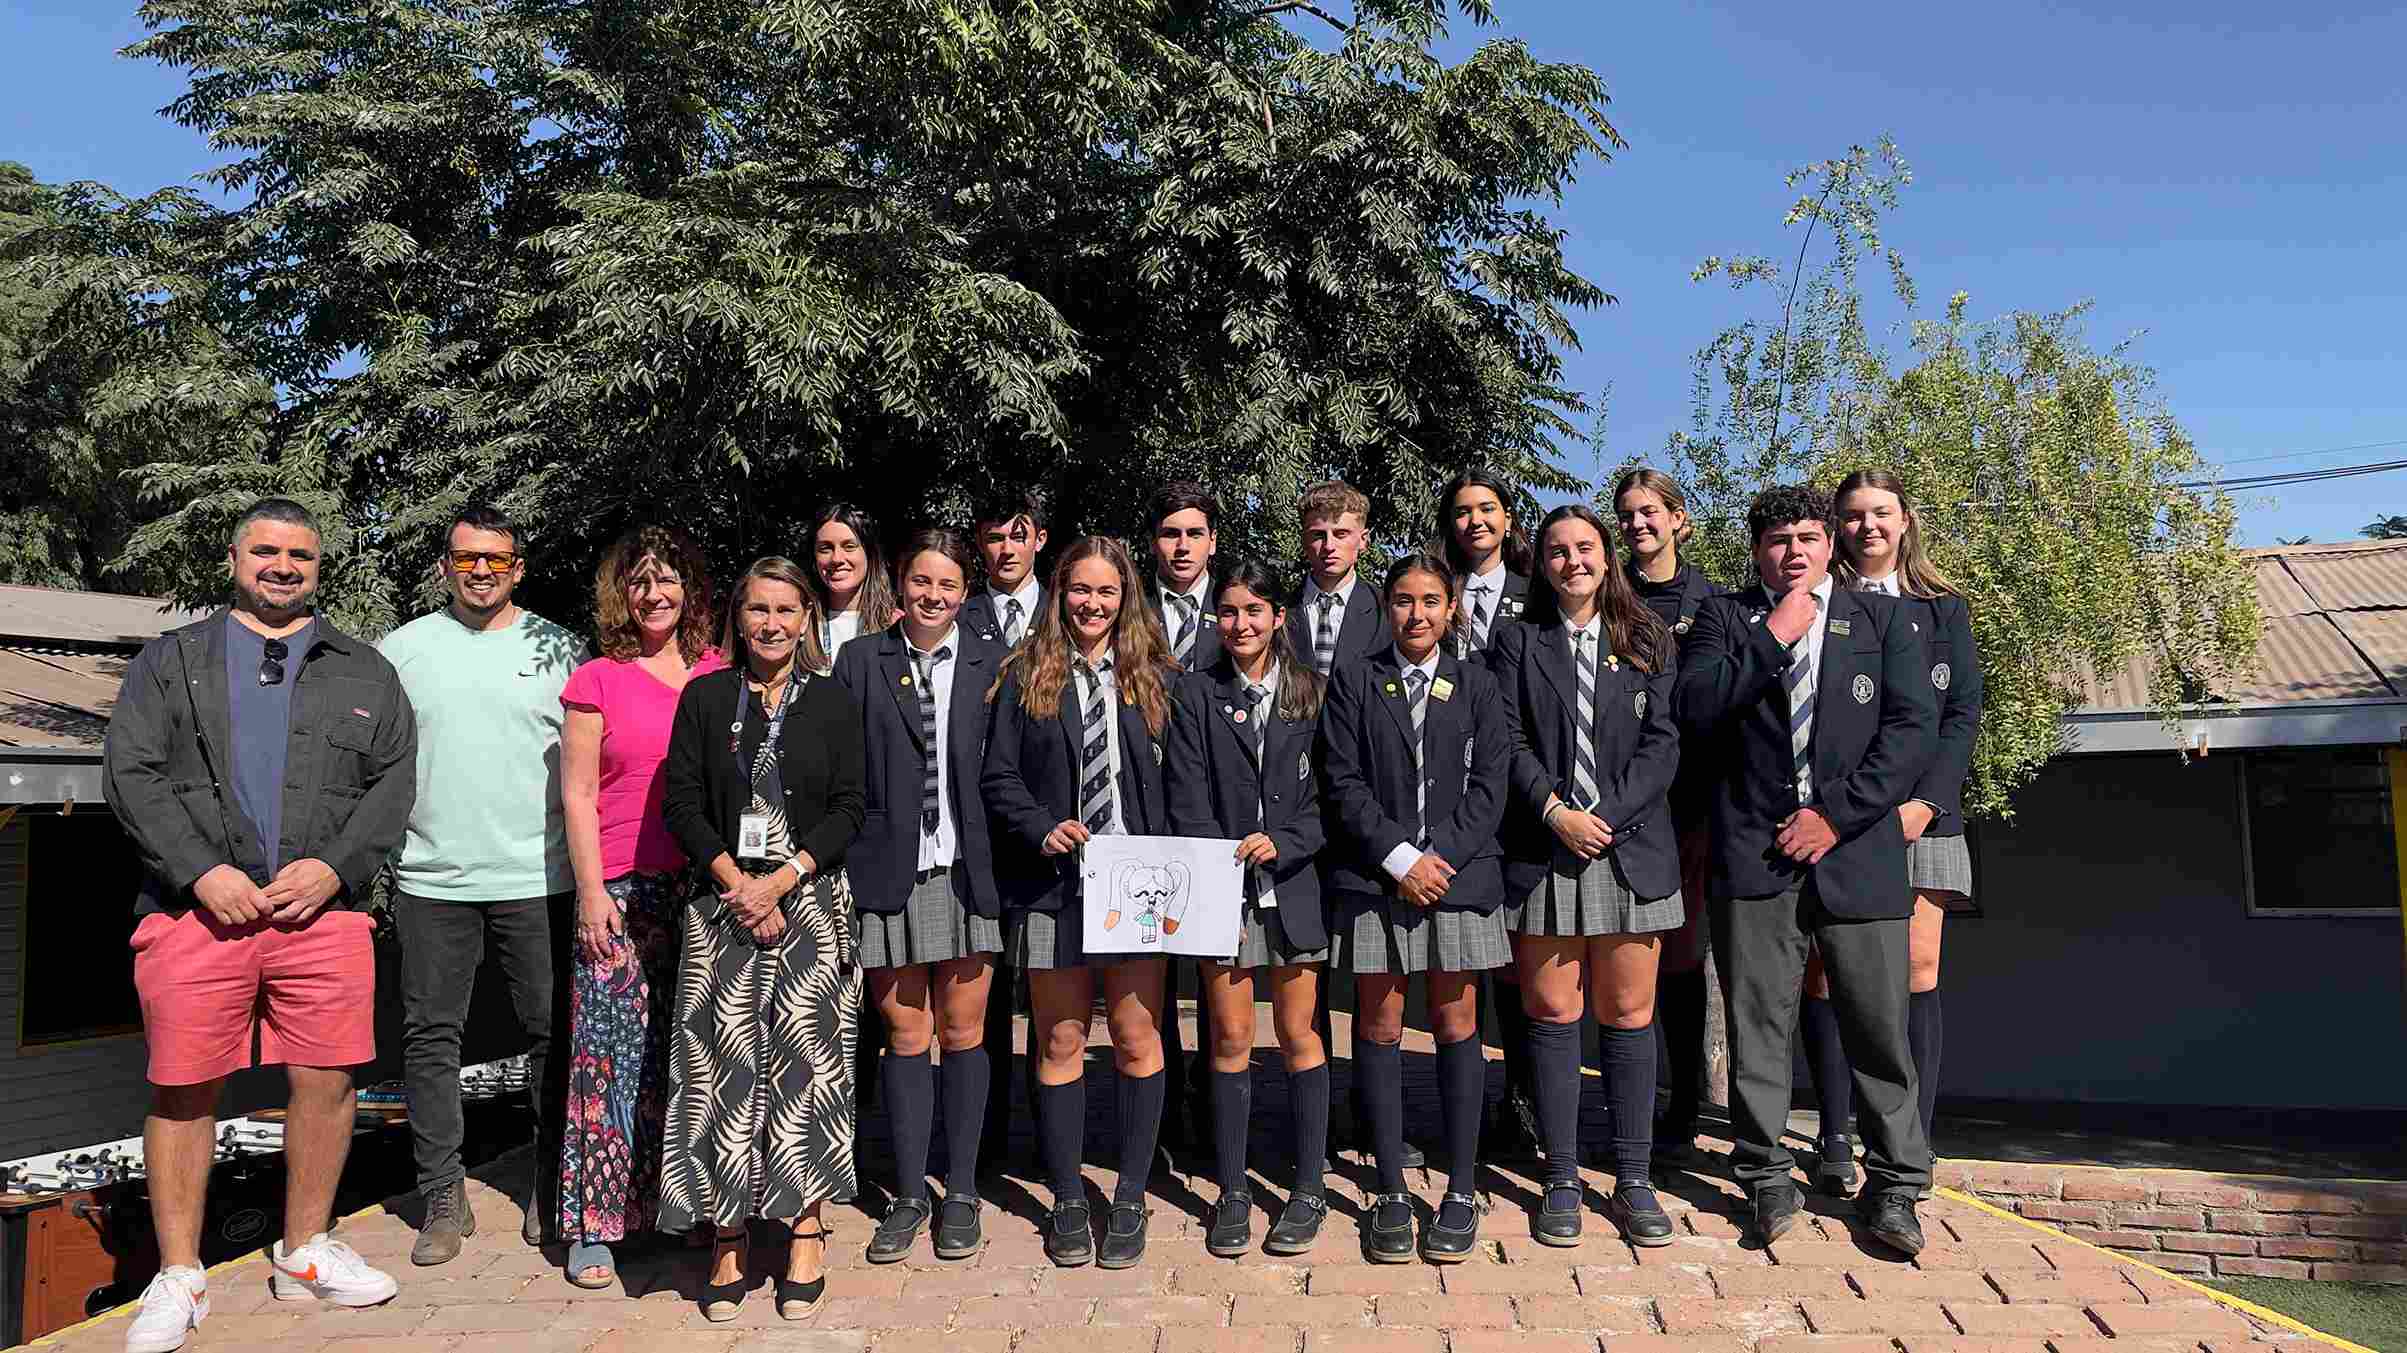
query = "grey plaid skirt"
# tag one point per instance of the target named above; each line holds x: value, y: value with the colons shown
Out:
x: 1044, y: 940
x: 1591, y: 899
x: 1380, y: 934
x: 934, y: 926
x: 1265, y: 944
x: 1939, y: 864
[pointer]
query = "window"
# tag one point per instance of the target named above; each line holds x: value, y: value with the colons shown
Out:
x: 2320, y: 831
x: 77, y: 971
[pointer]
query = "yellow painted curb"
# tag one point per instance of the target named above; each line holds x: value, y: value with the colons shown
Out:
x: 2270, y: 1317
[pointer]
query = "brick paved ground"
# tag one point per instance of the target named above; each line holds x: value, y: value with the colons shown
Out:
x: 1985, y: 1284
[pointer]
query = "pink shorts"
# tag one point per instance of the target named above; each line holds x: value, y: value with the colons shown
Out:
x: 309, y: 991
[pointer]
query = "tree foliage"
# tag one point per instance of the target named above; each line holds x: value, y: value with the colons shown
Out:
x: 712, y: 263
x: 2047, y: 474
x: 2390, y: 526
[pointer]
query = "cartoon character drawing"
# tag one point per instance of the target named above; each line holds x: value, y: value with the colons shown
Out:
x: 1153, y: 895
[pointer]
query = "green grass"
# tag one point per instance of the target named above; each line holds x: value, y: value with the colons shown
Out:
x: 2372, y: 1314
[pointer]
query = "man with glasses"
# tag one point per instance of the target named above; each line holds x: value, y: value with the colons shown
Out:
x: 262, y: 761
x: 485, y: 863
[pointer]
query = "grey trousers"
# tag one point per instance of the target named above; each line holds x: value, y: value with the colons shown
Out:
x: 1759, y: 948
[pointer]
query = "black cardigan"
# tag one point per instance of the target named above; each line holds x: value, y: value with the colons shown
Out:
x: 1215, y: 789
x: 707, y: 781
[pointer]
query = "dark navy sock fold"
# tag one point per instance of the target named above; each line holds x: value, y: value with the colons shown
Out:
x: 1232, y: 1114
x: 1628, y: 1058
x: 966, y: 1074
x: 1462, y: 1096
x: 1554, y: 1053
x: 1308, y: 1103
x: 1140, y: 1132
x: 909, y: 1084
x: 1061, y: 1122
x: 1379, y: 1084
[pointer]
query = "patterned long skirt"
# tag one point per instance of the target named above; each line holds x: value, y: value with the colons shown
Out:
x: 760, y: 1116
x: 618, y: 1067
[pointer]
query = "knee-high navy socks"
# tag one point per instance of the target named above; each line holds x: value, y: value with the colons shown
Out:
x: 1924, y: 1033
x: 1140, y: 1132
x: 1379, y: 1086
x: 909, y: 1084
x: 1628, y: 1056
x: 1826, y: 1057
x: 967, y: 1075
x: 1061, y: 1121
x: 1232, y: 1113
x: 1462, y: 1098
x: 1554, y: 1063
x: 1308, y: 1101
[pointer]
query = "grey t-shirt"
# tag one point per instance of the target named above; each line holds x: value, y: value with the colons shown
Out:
x: 261, y: 713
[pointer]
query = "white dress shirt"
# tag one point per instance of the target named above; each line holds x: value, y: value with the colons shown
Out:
x: 1202, y: 592
x: 841, y: 628
x: 1264, y: 898
x: 1400, y: 861
x: 1485, y: 587
x: 1027, y: 594
x: 1813, y: 649
x: 1344, y: 592
x: 940, y: 848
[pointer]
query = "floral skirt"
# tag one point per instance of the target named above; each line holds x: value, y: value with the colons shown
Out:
x: 619, y: 1020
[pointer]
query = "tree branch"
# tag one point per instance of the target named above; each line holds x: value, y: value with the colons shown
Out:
x: 1304, y: 5
x: 1780, y: 392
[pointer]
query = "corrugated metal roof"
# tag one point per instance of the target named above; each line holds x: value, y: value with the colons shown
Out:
x: 86, y: 617
x: 56, y: 698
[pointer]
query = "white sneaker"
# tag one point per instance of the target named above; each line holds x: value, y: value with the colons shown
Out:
x: 173, y: 1306
x: 327, y: 1270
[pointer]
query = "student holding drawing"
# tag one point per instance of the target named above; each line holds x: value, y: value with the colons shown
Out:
x: 1240, y: 768
x: 1415, y: 753
x: 1076, y: 751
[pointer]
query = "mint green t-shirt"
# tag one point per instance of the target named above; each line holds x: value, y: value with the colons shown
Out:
x: 487, y: 825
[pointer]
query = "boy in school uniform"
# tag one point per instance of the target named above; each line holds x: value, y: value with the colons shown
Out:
x: 1183, y: 524
x: 1009, y: 534
x: 1340, y: 619
x: 1815, y: 705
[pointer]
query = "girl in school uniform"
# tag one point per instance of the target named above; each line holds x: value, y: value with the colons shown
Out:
x: 1592, y: 870
x: 856, y: 591
x: 1079, y: 718
x: 1240, y: 769
x: 1414, y: 757
x: 929, y: 918
x: 1653, y: 516
x: 1881, y: 550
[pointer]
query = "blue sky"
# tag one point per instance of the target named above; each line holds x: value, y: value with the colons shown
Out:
x: 2227, y: 181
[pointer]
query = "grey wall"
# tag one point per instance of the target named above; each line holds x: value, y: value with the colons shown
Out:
x: 2116, y: 960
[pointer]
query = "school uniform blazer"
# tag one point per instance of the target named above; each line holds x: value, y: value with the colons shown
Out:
x: 1367, y: 777
x: 1361, y: 630
x: 1030, y: 783
x: 707, y: 778
x: 878, y: 672
x: 1876, y: 720
x: 1676, y: 602
x: 1955, y: 674
x: 1512, y: 599
x: 979, y: 613
x: 1637, y: 755
x: 1215, y: 789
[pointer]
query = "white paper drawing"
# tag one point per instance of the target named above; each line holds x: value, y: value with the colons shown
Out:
x: 1162, y: 894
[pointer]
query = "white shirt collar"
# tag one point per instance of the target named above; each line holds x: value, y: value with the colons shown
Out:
x: 1200, y: 592
x: 1594, y: 629
x: 1269, y: 681
x: 1027, y: 593
x: 944, y: 642
x: 1491, y: 577
x: 1344, y: 592
x: 1886, y: 584
x: 1428, y: 669
x: 1821, y: 591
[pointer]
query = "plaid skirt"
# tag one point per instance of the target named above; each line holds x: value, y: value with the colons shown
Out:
x: 934, y: 926
x: 1574, y: 901
x: 1380, y: 934
x: 1265, y: 945
x: 1939, y: 864
x: 1041, y: 941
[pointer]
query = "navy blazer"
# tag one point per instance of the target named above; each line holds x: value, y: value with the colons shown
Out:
x: 1875, y: 724
x: 1367, y: 777
x: 1207, y: 633
x: 878, y: 671
x: 1216, y: 790
x: 1956, y: 676
x: 1030, y: 784
x: 1510, y: 603
x: 1637, y: 755
x: 979, y: 613
x: 1362, y: 630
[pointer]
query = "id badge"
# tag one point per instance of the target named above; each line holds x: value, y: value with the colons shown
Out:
x: 752, y: 837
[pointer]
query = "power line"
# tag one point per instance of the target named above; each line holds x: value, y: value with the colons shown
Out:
x: 2302, y: 455
x: 2268, y: 481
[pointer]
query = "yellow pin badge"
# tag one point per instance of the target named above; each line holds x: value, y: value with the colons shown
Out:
x: 1441, y: 689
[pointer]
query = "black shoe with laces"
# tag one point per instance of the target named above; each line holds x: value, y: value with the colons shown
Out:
x: 959, y: 1234
x: 898, y: 1231
x: 1834, y: 1173
x: 1777, y: 1208
x: 1388, y: 1237
x: 1232, y: 1230
x: 1891, y: 1220
x: 1123, y: 1236
x: 1453, y: 1233
x: 1641, y: 1216
x: 1070, y: 1235
x: 1558, y: 1219
x: 1298, y: 1226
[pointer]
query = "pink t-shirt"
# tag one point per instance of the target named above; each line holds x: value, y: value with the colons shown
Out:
x: 636, y: 709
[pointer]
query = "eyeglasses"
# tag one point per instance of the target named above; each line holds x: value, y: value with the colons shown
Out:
x: 500, y: 561
x: 271, y: 667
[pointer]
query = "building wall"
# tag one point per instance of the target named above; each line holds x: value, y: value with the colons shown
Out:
x: 2116, y: 961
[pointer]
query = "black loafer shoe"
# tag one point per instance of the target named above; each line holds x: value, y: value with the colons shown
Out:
x: 1414, y: 1158
x: 1070, y: 1235
x: 1232, y: 1230
x: 1299, y: 1225
x: 1891, y: 1220
x: 1558, y: 1219
x: 1123, y: 1236
x: 899, y: 1231
x: 1777, y: 1208
x: 1389, y: 1236
x: 1641, y: 1216
x: 959, y: 1233
x: 1453, y: 1232
x: 1834, y: 1174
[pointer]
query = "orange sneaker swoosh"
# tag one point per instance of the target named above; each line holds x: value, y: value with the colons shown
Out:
x: 307, y: 1275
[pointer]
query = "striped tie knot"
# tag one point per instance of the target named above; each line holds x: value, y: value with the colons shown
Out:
x: 1583, y: 745
x: 931, y: 790
x: 1095, y: 759
x: 1257, y: 704
x: 1014, y: 616
x: 1187, y: 608
x: 1416, y: 693
x: 1324, y: 634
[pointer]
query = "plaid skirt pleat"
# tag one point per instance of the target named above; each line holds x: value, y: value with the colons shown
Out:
x: 1389, y: 935
x: 1042, y: 941
x: 1265, y: 943
x: 1939, y: 864
x: 1581, y: 898
x: 934, y: 926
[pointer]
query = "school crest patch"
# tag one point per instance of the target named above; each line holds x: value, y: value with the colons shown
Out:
x: 1685, y: 622
x: 1638, y: 703
x: 1303, y: 766
x: 1940, y: 676
x: 1862, y: 689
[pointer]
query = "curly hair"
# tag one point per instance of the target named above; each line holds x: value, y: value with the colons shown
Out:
x: 618, y: 633
x: 1782, y: 504
x: 1632, y: 629
x: 1141, y: 662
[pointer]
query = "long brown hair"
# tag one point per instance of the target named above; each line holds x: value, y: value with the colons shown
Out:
x: 1300, y: 688
x: 1632, y: 629
x: 874, y: 598
x: 1141, y: 664
x: 810, y: 655
x: 1917, y: 576
x: 1515, y: 549
x: 618, y: 634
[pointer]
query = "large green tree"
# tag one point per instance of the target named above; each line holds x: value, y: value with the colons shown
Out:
x: 713, y: 262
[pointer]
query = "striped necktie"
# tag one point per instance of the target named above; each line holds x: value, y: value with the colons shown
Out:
x: 1801, y: 709
x: 1257, y: 700
x: 1187, y: 608
x: 1013, y: 619
x: 1482, y: 614
x: 1095, y: 759
x: 1416, y: 697
x: 930, y: 793
x: 1324, y: 634
x: 1583, y: 756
